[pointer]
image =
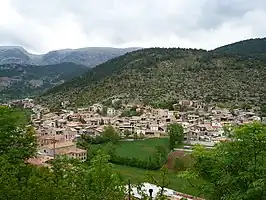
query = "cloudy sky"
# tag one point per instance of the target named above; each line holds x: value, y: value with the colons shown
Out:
x: 43, y: 25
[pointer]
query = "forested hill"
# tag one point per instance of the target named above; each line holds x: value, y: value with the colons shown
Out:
x: 20, y: 81
x: 251, y: 47
x: 160, y: 76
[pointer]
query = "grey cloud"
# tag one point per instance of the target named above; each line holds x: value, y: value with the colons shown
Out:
x: 186, y: 23
x: 217, y: 12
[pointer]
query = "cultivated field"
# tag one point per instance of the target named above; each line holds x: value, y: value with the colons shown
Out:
x: 139, y: 176
x: 140, y: 149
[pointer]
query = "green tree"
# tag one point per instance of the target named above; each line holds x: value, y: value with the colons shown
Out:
x: 160, y: 156
x: 162, y: 181
x: 263, y: 111
x: 17, y: 141
x: 233, y: 170
x: 104, y: 111
x: 102, y: 182
x: 110, y: 134
x: 110, y: 149
x: 176, y: 134
x: 127, y: 133
x: 117, y: 104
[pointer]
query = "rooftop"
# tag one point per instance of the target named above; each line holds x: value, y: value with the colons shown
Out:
x: 59, y: 145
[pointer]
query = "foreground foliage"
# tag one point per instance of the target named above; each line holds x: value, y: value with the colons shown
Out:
x: 233, y: 170
x: 17, y: 142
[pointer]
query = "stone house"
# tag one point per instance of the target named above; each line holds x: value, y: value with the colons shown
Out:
x: 96, y: 107
x: 64, y: 148
x: 111, y: 112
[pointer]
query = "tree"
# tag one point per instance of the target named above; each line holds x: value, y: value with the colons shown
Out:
x: 162, y: 181
x: 17, y: 141
x: 117, y: 104
x: 160, y: 156
x: 263, y: 110
x: 233, y: 170
x: 110, y: 149
x: 100, y: 180
x: 176, y: 134
x: 127, y: 133
x: 110, y: 134
x: 104, y: 111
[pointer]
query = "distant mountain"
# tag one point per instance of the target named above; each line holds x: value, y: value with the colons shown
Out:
x: 251, y: 47
x: 19, y: 81
x: 89, y: 57
x: 161, y: 76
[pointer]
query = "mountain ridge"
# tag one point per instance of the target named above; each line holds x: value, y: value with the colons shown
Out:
x: 88, y: 56
x: 250, y: 47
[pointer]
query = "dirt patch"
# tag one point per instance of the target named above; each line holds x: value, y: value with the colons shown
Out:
x: 184, y: 156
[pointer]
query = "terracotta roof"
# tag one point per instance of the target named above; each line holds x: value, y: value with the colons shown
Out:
x: 39, y: 160
x: 49, y: 137
x: 59, y: 145
x: 69, y: 151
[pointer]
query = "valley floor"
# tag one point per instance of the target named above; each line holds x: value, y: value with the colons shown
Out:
x: 139, y: 176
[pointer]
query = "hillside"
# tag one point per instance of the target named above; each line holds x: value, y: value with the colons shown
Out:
x: 90, y: 56
x: 18, y: 81
x: 251, y: 47
x: 159, y: 76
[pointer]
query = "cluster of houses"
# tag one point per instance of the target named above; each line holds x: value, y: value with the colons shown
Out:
x: 57, y: 131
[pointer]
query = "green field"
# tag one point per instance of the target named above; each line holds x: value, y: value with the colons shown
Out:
x: 139, y: 176
x: 140, y: 149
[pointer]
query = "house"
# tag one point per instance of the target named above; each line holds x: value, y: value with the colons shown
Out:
x: 93, y: 132
x: 52, y: 149
x: 111, y: 112
x: 75, y: 153
x: 40, y: 160
x: 96, y: 107
x: 67, y: 148
x: 47, y: 139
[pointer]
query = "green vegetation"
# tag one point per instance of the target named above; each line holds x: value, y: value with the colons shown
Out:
x: 146, y: 154
x: 140, y: 149
x: 130, y: 112
x: 233, y: 170
x: 68, y: 179
x: 109, y: 135
x: 17, y: 142
x: 157, y: 76
x: 251, y: 47
x: 140, y: 175
x: 176, y: 134
x: 28, y: 80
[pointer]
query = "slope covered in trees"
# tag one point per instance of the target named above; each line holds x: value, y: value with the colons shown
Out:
x: 159, y: 76
x: 19, y: 81
x: 251, y: 47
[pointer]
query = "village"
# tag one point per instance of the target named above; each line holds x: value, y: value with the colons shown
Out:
x: 57, y: 132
